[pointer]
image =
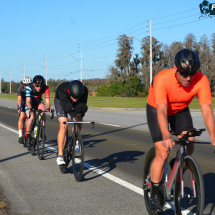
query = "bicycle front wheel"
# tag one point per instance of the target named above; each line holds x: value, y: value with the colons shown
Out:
x: 194, y: 195
x: 24, y: 133
x: 77, y: 157
x: 40, y: 141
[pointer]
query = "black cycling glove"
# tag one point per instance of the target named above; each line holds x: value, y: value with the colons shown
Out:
x: 77, y: 108
x: 84, y: 109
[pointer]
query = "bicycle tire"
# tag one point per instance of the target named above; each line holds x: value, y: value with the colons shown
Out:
x: 33, y: 140
x: 195, y: 205
x: 33, y: 146
x: 78, y: 157
x: 24, y: 134
x: 63, y: 167
x: 147, y: 192
x: 40, y: 141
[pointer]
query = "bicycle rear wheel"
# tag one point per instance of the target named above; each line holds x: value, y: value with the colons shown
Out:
x: 40, y: 141
x: 78, y: 157
x: 193, y: 181
x: 147, y: 182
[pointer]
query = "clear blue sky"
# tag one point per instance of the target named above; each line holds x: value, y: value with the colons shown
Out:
x: 31, y: 29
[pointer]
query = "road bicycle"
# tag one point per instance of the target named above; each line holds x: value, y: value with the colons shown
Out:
x: 186, y: 177
x: 38, y: 136
x: 70, y: 153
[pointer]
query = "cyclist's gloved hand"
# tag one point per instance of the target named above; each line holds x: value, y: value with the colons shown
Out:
x: 78, y: 108
x: 19, y: 109
x: 84, y: 109
x: 49, y: 110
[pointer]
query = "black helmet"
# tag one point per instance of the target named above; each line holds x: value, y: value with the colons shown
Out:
x: 76, y: 89
x: 38, y: 79
x: 187, y: 61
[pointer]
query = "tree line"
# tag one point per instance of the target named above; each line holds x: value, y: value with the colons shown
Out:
x: 130, y: 76
x: 91, y: 84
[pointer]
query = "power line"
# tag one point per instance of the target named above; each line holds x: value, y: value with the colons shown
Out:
x: 175, y: 14
x: 179, y: 24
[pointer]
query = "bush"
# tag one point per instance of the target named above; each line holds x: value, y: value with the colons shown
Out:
x: 129, y: 88
x: 103, y: 90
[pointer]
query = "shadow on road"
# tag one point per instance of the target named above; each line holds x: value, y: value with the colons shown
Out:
x: 112, y: 131
x: 109, y: 163
x: 16, y: 156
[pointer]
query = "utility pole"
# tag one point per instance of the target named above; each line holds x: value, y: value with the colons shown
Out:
x: 81, y: 62
x: 10, y: 79
x: 24, y: 69
x: 150, y: 52
x: 46, y: 69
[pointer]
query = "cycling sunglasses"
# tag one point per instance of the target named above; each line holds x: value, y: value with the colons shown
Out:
x: 38, y: 85
x: 185, y: 74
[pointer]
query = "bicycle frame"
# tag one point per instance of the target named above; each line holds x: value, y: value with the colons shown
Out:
x: 178, y: 164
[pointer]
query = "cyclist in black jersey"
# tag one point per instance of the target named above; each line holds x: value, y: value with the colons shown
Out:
x: 21, y: 104
x: 70, y: 97
x: 34, y: 101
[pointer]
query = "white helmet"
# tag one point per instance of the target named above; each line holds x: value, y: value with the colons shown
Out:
x: 26, y: 80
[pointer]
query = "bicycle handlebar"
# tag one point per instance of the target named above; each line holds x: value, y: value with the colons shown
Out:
x: 193, y: 132
x: 40, y: 111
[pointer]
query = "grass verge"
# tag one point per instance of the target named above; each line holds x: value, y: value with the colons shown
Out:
x: 116, y: 102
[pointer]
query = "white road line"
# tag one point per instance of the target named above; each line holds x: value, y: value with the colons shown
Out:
x: 113, y: 178
x: 109, y: 124
x: 10, y: 129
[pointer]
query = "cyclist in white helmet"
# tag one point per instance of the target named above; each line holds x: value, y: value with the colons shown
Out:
x: 21, y: 104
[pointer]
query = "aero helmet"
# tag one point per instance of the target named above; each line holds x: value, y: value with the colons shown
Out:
x: 76, y: 89
x: 26, y: 80
x: 187, y: 61
x: 38, y: 79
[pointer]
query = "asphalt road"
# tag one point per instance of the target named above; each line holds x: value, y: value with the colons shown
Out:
x: 115, y: 151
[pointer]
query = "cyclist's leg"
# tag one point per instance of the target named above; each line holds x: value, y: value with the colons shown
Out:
x: 62, y: 134
x: 22, y: 115
x: 62, y: 117
x: 21, y: 120
x: 161, y: 154
x: 41, y: 106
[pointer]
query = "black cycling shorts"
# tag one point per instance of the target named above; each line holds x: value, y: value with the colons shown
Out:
x: 178, y: 122
x: 59, y: 109
x: 35, y: 103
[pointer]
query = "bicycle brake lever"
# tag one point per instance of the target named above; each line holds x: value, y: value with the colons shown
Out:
x: 93, y: 123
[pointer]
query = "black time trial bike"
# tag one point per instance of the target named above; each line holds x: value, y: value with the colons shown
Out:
x: 185, y: 177
x: 70, y: 151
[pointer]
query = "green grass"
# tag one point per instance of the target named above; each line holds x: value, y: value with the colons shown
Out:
x: 116, y: 102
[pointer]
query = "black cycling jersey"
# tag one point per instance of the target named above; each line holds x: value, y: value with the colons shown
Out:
x: 21, y: 91
x: 63, y: 96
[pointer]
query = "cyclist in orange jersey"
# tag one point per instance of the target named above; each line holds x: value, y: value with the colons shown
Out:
x: 170, y: 93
